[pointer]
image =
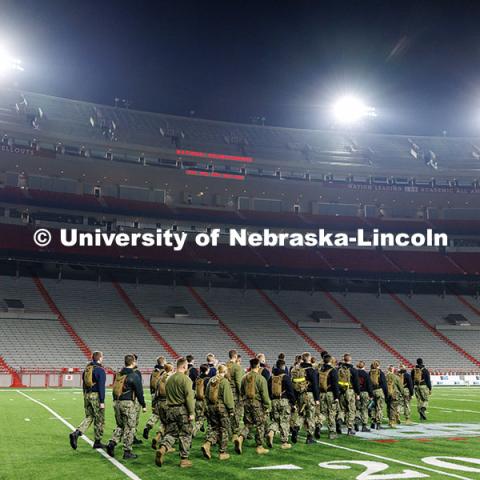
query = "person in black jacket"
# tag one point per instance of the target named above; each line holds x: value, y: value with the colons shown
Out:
x: 366, y: 395
x: 192, y: 369
x: 281, y: 393
x: 349, y: 394
x: 406, y: 380
x: 94, y: 379
x: 305, y: 384
x: 379, y: 387
x: 423, y: 387
x: 127, y: 389
x: 138, y: 407
x: 329, y: 395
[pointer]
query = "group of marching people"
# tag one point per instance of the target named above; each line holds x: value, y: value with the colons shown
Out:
x: 229, y: 403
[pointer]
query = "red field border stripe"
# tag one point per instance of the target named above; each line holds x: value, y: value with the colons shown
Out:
x: 133, y: 308
x: 433, y: 330
x: 223, y: 326
x: 215, y: 156
x: 289, y: 321
x: 16, y: 380
x: 204, y: 173
x: 63, y: 321
x: 114, y: 462
x: 371, y: 334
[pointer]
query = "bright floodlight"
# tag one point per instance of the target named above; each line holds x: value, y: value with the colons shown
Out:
x: 8, y: 63
x: 349, y: 109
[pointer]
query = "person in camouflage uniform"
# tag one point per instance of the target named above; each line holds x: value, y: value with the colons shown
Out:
x: 254, y: 392
x: 305, y: 384
x: 406, y: 381
x: 281, y: 392
x: 329, y: 394
x: 395, y: 393
x: 423, y: 387
x: 130, y: 389
x: 154, y: 377
x: 220, y: 409
x: 180, y: 416
x: 200, y: 385
x: 379, y: 387
x: 234, y: 375
x: 366, y: 395
x: 349, y: 393
x: 160, y: 400
x: 94, y: 379
x: 138, y: 407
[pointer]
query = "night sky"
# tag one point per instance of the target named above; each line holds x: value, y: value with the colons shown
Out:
x: 417, y: 62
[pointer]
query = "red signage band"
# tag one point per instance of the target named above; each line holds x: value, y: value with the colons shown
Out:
x: 203, y: 173
x: 215, y: 156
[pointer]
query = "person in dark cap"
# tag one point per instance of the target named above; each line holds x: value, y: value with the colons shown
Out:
x: 423, y: 387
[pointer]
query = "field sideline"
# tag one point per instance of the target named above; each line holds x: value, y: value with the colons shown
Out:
x: 34, y: 445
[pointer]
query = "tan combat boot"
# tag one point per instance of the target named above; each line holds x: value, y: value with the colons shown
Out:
x: 408, y: 422
x: 238, y: 444
x: 223, y: 456
x: 261, y: 451
x: 206, y: 450
x: 285, y: 446
x: 270, y: 436
x: 160, y: 456
x: 185, y: 463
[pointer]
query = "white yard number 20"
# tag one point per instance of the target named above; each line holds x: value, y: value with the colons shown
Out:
x: 373, y: 469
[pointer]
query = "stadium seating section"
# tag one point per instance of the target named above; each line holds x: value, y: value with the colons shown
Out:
x: 251, y: 320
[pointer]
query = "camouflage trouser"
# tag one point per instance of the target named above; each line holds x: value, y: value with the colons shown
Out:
x: 126, y: 418
x: 280, y: 418
x: 162, y: 417
x: 154, y: 417
x: 93, y: 414
x: 306, y: 412
x: 138, y: 411
x: 328, y: 407
x: 347, y: 407
x: 178, y: 427
x: 379, y: 401
x: 422, y: 393
x: 200, y: 408
x: 236, y: 419
x: 361, y: 415
x: 254, y: 416
x: 218, y: 426
x: 404, y: 405
x: 319, y: 416
x: 392, y: 408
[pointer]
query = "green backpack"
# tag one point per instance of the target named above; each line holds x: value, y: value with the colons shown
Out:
x: 119, y: 385
x: 299, y: 379
x: 88, y: 376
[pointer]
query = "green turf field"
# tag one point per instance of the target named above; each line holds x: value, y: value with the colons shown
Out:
x: 34, y: 445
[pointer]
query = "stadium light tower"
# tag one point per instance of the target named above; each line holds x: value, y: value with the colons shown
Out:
x: 348, y: 110
x: 8, y: 63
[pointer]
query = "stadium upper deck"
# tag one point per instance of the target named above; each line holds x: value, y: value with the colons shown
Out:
x: 98, y: 126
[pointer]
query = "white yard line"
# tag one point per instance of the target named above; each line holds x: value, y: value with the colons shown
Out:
x: 388, y: 459
x: 114, y: 462
x: 454, y: 409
